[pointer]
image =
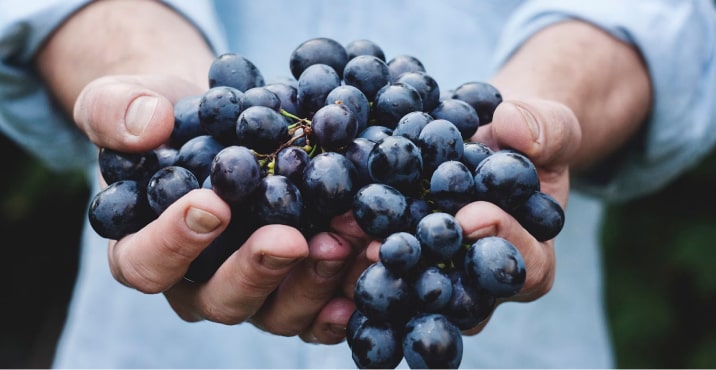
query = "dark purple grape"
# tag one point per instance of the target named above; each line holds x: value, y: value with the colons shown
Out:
x: 186, y: 121
x: 411, y: 124
x: 417, y: 209
x: 196, y: 155
x: 364, y: 47
x: 357, y: 152
x: 452, y: 186
x: 235, y: 174
x: 334, y: 126
x: 541, y: 215
x: 439, y: 141
x: 354, y: 322
x: 367, y: 73
x: 319, y: 50
x: 166, y: 156
x: 260, y: 96
x: 235, y: 71
x: 329, y: 183
x: 495, y: 266
x: 433, y: 289
x: 383, y: 296
x: 432, y: 342
x: 396, y: 161
x: 290, y: 162
x: 287, y: 94
x: 285, y: 80
x: 440, y: 236
x: 375, y: 132
x: 376, y: 345
x: 219, y: 108
x: 404, y: 63
x: 426, y: 86
x: 461, y: 114
x: 313, y: 221
x: 380, y: 210
x: 277, y: 201
x: 169, y: 184
x: 120, y: 209
x: 115, y: 165
x: 400, y: 252
x: 354, y: 100
x: 468, y: 306
x: 262, y: 129
x: 506, y: 178
x: 314, y: 85
x: 474, y: 153
x: 394, y: 101
x: 482, y: 96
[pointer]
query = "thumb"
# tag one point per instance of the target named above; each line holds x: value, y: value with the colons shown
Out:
x: 546, y: 131
x: 130, y: 113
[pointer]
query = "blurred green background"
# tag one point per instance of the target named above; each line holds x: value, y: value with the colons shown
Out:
x: 659, y: 255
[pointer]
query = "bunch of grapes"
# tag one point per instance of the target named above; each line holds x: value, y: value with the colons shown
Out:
x: 348, y: 131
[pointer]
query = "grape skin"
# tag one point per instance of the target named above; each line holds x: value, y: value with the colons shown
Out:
x: 119, y: 209
x: 432, y: 342
x: 169, y: 184
x: 235, y: 174
x: 396, y: 161
x: 380, y: 210
x: 496, y: 266
x: 236, y: 71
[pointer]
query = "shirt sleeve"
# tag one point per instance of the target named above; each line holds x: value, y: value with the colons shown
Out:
x: 677, y: 39
x: 28, y: 114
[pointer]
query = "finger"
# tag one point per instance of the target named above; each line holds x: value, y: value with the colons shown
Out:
x: 481, y: 219
x: 130, y: 113
x: 347, y: 226
x: 245, y: 280
x: 329, y: 327
x: 156, y: 257
x: 362, y: 260
x: 307, y: 288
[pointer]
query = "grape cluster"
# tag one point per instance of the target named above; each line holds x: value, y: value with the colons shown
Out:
x: 348, y: 131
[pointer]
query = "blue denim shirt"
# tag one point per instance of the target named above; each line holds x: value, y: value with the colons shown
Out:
x: 111, y: 326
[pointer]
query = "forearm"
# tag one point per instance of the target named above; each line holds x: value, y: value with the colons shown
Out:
x: 121, y: 37
x: 601, y: 79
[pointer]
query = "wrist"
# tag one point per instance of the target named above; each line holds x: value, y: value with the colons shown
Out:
x: 121, y: 37
x: 600, y: 78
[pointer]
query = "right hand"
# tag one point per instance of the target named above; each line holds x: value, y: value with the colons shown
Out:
x: 277, y: 280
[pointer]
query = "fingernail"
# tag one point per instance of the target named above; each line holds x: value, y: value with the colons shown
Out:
x: 139, y: 114
x: 201, y: 221
x: 276, y: 263
x: 530, y: 121
x: 328, y: 269
x: 338, y: 330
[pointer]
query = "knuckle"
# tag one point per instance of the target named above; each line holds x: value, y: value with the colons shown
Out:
x: 143, y: 279
x: 222, y: 314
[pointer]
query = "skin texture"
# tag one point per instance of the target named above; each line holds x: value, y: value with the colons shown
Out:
x: 568, y: 82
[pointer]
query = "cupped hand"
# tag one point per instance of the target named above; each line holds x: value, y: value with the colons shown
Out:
x: 549, y: 134
x: 276, y: 280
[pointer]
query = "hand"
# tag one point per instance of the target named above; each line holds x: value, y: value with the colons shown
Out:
x: 276, y: 280
x: 549, y: 134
